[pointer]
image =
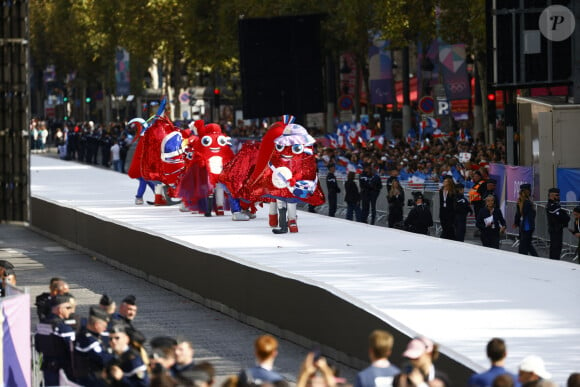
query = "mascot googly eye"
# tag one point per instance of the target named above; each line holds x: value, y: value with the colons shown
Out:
x: 279, y: 147
x: 297, y: 149
x: 206, y: 141
x: 222, y: 141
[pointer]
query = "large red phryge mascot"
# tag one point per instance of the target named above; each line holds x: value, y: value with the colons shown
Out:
x: 163, y: 158
x: 200, y: 188
x: 286, y: 171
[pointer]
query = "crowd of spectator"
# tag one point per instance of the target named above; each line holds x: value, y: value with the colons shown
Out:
x: 429, y: 158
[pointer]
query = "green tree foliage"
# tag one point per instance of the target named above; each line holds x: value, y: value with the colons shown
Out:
x: 187, y: 36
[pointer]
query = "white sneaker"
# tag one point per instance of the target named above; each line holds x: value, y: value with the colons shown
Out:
x: 240, y: 216
x: 139, y: 201
x: 250, y: 214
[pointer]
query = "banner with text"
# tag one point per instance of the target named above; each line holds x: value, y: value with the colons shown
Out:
x: 516, y: 176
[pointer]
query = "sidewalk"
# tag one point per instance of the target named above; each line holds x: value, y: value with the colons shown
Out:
x: 217, y: 338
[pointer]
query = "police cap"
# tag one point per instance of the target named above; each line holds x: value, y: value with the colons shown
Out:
x: 491, y: 181
x: 99, y: 313
x: 59, y: 299
x: 526, y: 186
x: 554, y: 190
x: 106, y: 300
x: 418, y: 195
x: 130, y: 300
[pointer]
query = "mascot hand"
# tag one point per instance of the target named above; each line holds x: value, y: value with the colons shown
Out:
x: 304, y: 188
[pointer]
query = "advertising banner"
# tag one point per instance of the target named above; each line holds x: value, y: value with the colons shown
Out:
x: 454, y: 70
x: 16, y: 351
x: 569, y: 184
x: 516, y: 176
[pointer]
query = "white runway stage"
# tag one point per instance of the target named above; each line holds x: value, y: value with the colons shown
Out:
x: 458, y: 294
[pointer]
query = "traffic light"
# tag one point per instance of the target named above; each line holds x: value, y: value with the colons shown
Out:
x: 491, y: 107
x: 216, y: 96
x: 65, y: 99
x: 88, y: 100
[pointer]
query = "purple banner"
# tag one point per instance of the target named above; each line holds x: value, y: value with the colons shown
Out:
x: 498, y: 172
x: 122, y: 75
x: 516, y: 176
x: 16, y: 340
x: 380, y: 73
x: 454, y: 70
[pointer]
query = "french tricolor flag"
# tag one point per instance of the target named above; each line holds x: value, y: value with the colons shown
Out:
x: 343, y: 161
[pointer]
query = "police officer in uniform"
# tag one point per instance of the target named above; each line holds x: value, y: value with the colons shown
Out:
x: 54, y: 339
x: 333, y: 190
x: 558, y: 219
x: 126, y: 314
x: 419, y: 219
x: 91, y: 353
x: 127, y: 367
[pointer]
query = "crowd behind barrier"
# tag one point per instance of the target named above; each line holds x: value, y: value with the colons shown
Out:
x: 541, y: 234
x: 430, y: 191
x: 420, y: 166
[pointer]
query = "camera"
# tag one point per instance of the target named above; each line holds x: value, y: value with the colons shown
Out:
x: 417, y: 195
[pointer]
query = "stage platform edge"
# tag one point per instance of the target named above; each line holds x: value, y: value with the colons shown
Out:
x: 301, y: 313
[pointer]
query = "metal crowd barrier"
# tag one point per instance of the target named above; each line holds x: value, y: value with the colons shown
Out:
x: 541, y: 234
x: 430, y: 192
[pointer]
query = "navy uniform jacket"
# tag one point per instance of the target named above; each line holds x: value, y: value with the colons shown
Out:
x: 331, y: 184
x: 57, y: 347
x: 134, y: 370
x: 91, y: 355
x: 419, y: 219
x: 557, y: 217
x: 462, y: 207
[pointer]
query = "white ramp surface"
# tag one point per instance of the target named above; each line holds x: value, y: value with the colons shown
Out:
x: 458, y: 294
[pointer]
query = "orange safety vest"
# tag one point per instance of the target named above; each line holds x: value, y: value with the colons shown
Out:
x: 474, y: 195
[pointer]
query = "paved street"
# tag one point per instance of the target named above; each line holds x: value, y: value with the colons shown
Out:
x: 217, y: 338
